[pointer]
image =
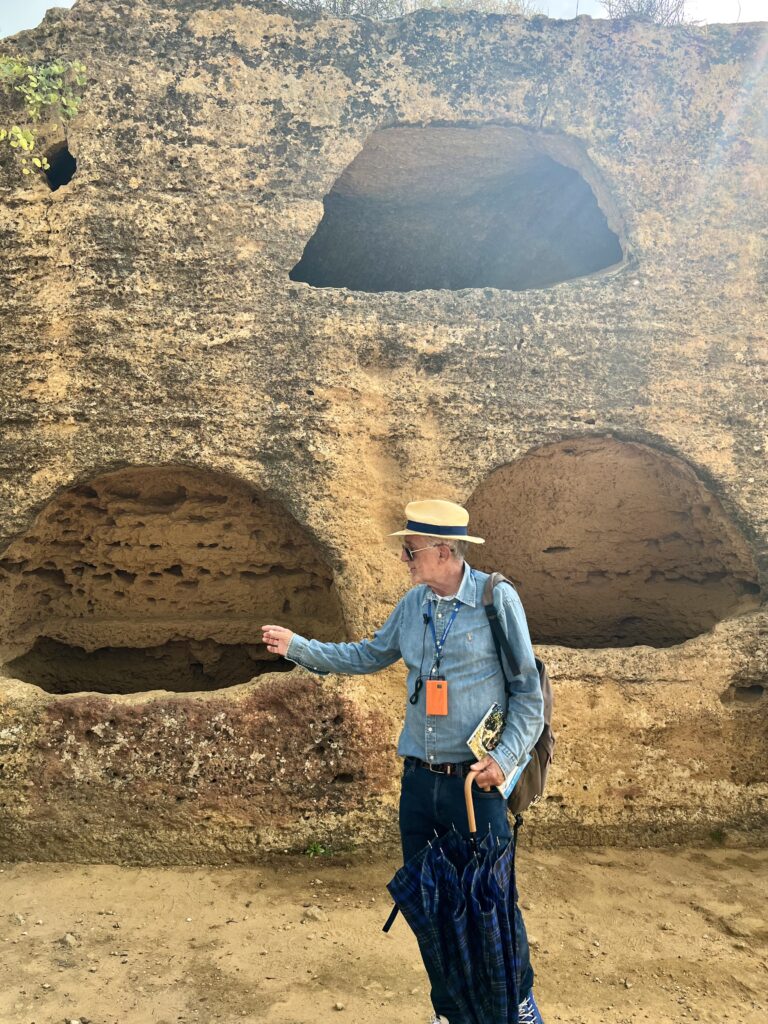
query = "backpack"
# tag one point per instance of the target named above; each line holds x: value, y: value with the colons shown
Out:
x: 531, y: 783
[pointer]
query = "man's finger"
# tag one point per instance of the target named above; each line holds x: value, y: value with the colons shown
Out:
x: 480, y: 778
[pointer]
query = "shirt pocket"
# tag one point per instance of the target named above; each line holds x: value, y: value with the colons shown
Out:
x: 478, y: 638
x: 478, y: 647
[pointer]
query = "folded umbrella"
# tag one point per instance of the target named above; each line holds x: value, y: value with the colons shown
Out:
x: 458, y: 896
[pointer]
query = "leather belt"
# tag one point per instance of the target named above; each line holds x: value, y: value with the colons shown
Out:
x: 446, y: 768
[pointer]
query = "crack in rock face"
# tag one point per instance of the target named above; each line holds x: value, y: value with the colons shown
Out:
x: 615, y: 545
x: 462, y: 207
x: 158, y: 578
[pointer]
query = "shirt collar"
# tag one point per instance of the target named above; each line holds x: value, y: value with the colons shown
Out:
x: 467, y: 592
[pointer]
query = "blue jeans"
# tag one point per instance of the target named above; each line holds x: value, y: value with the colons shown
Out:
x: 430, y: 803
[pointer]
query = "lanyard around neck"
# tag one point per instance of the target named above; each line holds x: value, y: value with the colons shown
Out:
x: 439, y: 644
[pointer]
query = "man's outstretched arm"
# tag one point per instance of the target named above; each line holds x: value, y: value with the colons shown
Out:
x: 381, y: 650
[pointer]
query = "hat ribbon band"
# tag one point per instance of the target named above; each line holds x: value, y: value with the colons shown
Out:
x: 439, y: 531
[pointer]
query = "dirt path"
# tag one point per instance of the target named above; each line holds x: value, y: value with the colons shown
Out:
x: 618, y: 937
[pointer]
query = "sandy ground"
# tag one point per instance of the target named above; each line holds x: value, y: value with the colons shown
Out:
x: 618, y: 936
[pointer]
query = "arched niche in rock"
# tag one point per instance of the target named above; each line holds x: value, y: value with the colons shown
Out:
x: 158, y: 578
x: 613, y: 544
x: 447, y: 206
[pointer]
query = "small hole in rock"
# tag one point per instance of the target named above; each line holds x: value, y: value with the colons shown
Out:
x: 62, y: 166
x: 747, y: 694
x: 742, y: 694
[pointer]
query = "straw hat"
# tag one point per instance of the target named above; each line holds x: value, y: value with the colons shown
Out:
x: 434, y: 518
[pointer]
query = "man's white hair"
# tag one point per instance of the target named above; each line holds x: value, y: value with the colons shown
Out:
x: 458, y: 548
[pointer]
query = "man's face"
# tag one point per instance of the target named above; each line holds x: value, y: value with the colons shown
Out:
x: 426, y: 557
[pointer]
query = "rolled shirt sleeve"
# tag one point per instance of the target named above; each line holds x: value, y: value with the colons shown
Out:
x: 525, y: 706
x: 381, y: 650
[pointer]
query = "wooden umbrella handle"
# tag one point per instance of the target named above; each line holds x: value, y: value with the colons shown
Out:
x: 470, y: 805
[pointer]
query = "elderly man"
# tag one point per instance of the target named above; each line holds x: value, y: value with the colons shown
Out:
x: 441, y: 632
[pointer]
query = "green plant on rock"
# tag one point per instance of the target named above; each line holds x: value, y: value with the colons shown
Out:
x: 52, y: 91
x: 316, y: 849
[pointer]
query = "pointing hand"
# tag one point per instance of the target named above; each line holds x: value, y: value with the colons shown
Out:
x: 276, y: 638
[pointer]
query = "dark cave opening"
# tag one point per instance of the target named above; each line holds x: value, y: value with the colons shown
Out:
x: 178, y: 666
x: 451, y: 208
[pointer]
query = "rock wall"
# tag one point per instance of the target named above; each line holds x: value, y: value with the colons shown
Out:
x: 554, y: 232
x: 158, y: 577
x: 626, y: 547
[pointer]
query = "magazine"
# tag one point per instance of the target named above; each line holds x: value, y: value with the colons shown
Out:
x: 485, y: 738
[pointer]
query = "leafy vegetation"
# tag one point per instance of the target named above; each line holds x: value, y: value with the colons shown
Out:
x: 662, y: 12
x: 51, y: 91
x: 381, y: 10
x: 316, y: 849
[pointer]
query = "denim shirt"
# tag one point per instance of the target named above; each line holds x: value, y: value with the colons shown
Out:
x: 469, y: 663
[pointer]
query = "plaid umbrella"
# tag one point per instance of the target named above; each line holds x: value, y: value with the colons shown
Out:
x: 458, y: 896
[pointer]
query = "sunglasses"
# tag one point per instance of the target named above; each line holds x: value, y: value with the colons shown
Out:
x: 410, y: 552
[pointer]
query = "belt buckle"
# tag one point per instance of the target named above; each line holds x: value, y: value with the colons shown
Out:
x: 437, y: 769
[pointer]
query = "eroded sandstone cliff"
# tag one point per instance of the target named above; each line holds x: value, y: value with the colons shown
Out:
x: 304, y: 270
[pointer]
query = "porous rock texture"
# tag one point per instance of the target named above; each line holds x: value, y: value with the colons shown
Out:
x: 160, y: 571
x: 166, y: 384
x: 629, y: 547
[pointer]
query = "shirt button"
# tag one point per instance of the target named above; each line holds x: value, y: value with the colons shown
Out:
x: 439, y: 615
x: 429, y: 728
x: 431, y: 757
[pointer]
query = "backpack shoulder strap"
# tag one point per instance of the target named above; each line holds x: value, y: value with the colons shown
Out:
x: 500, y: 641
x: 490, y: 584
